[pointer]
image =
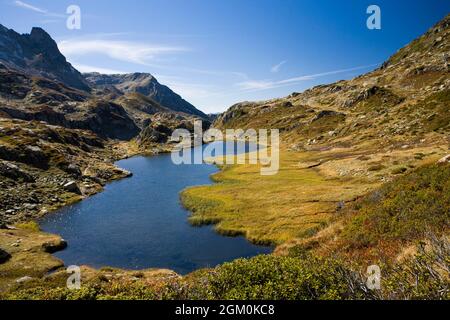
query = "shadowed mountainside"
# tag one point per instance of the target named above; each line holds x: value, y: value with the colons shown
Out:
x: 37, y: 83
x: 37, y: 53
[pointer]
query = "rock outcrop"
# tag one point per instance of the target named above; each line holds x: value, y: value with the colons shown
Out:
x: 444, y: 160
x: 4, y: 256
x: 43, y: 167
x: 12, y: 171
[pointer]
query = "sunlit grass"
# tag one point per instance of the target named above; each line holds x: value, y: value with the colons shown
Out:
x: 270, y: 209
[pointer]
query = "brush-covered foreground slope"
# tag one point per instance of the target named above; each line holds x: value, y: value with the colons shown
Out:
x: 338, y: 142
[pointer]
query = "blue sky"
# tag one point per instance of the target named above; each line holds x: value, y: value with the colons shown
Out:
x: 219, y: 52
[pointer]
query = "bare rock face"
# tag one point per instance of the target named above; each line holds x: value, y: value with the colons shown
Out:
x: 327, y: 113
x: 151, y: 135
x: 106, y: 119
x: 31, y: 155
x: 38, y: 53
x: 73, y: 169
x: 12, y: 171
x: 161, y: 126
x: 24, y: 279
x: 54, y: 245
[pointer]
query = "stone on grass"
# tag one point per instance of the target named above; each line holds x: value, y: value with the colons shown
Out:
x: 72, y: 186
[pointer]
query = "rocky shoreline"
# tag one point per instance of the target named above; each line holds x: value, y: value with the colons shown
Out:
x: 26, y: 251
x: 30, y: 190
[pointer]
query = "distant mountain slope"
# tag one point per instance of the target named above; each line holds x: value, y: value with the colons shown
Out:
x: 37, y: 53
x: 37, y: 83
x: 147, y: 85
x: 141, y: 108
x: 28, y: 97
x: 406, y: 98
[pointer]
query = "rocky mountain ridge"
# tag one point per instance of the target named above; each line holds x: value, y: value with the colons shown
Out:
x: 38, y: 54
x: 37, y: 83
x: 145, y: 84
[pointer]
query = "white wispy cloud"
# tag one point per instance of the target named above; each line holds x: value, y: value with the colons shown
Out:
x: 29, y: 7
x: 277, y: 67
x: 128, y: 51
x: 256, y: 85
x: 148, y: 54
x: 39, y: 10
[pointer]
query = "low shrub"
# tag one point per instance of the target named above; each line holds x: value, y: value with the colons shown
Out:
x: 404, y: 209
x: 285, y: 278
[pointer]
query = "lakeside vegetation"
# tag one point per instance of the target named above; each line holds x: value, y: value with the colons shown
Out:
x: 305, y: 195
x: 299, y: 276
x: 304, y: 271
x: 295, y: 202
x: 403, y: 210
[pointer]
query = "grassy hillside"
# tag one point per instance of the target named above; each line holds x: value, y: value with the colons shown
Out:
x: 338, y: 142
x: 357, y: 178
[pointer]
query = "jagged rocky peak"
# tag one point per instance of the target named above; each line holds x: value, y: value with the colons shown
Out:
x: 39, y: 34
x: 38, y: 54
x: 45, y: 45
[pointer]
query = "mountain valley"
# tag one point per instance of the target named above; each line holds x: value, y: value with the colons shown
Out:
x: 364, y: 177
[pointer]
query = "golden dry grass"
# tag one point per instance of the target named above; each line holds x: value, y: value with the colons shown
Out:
x: 303, y: 196
x: 296, y: 202
x: 29, y: 249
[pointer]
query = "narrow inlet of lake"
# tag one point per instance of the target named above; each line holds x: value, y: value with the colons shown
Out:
x: 139, y: 222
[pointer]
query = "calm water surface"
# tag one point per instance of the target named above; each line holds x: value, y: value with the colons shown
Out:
x: 138, y: 222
